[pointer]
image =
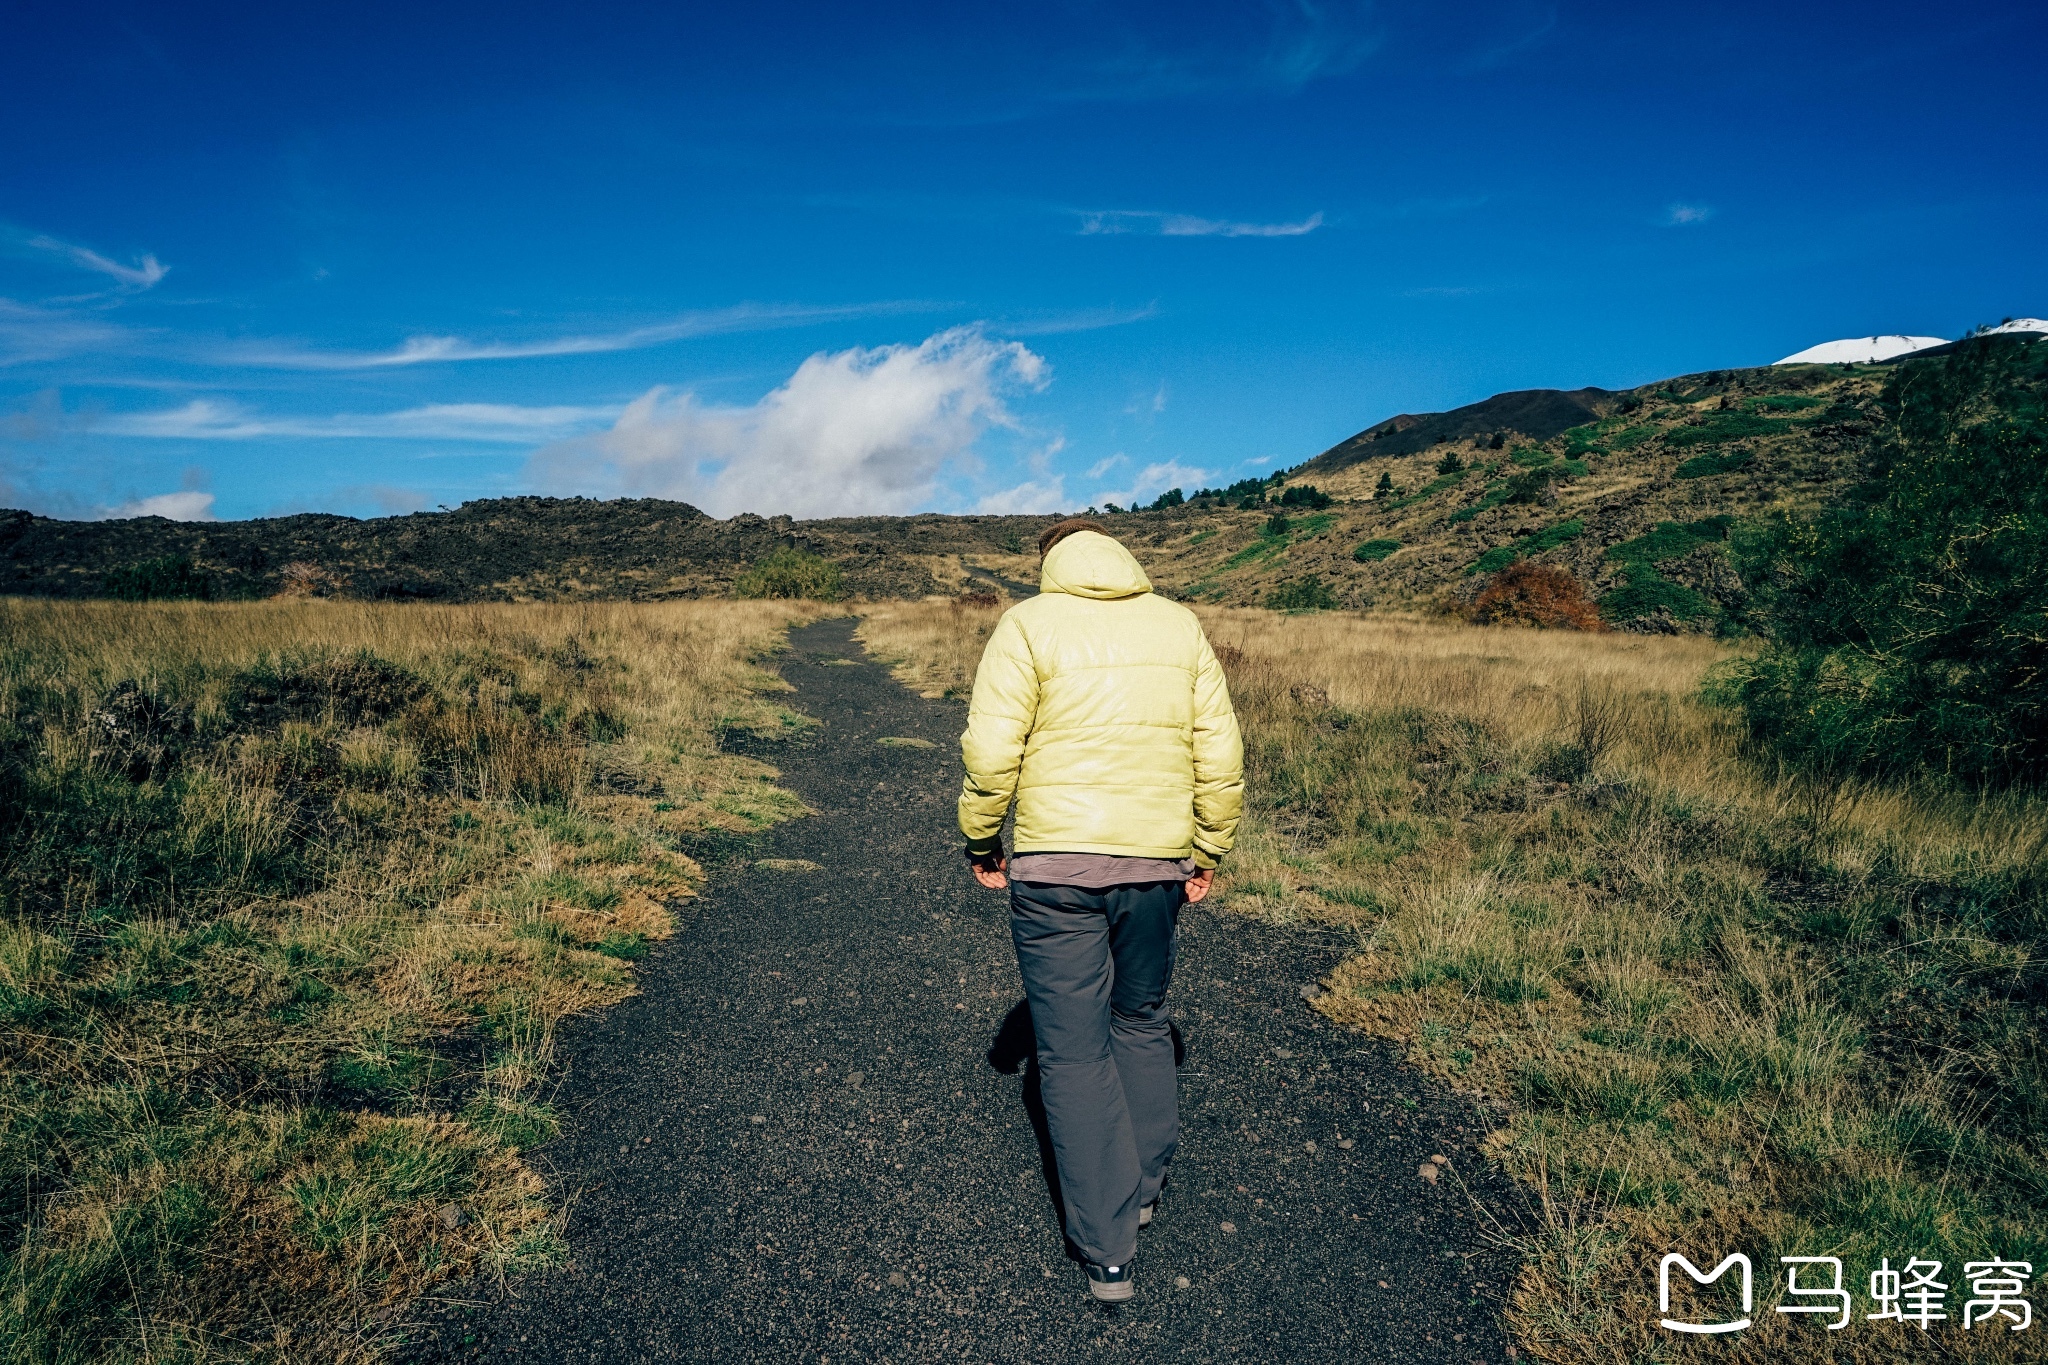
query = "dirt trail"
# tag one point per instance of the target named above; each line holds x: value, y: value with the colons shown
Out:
x: 793, y: 1144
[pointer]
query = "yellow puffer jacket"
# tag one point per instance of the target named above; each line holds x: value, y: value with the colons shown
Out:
x: 1100, y: 709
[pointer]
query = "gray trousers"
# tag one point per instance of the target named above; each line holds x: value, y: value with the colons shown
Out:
x: 1096, y: 965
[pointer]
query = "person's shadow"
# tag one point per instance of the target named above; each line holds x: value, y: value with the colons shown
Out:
x: 1014, y: 1049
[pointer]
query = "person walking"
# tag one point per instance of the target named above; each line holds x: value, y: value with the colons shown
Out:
x: 1101, y: 713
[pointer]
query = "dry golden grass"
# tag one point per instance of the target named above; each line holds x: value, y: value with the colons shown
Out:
x: 259, y: 859
x: 1713, y: 1007
x: 932, y: 646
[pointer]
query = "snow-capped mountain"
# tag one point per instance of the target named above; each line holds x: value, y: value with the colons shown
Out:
x: 1869, y: 350
x: 1860, y: 350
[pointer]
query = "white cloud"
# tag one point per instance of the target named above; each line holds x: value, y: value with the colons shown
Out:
x: 1109, y: 221
x: 851, y: 432
x: 1034, y: 498
x: 187, y: 506
x: 144, y: 274
x: 1103, y: 466
x: 207, y: 420
x: 428, y: 350
x: 1153, y: 480
x: 1685, y: 215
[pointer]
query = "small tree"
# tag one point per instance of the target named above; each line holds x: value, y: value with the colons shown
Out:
x: 1277, y: 524
x: 167, y: 578
x: 1305, y: 495
x: 790, y: 572
x: 1307, y: 593
x: 1170, y: 498
x: 1385, y: 487
x: 1450, y: 463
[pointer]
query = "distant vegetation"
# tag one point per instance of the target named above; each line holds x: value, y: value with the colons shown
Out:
x: 1307, y: 593
x: 1372, y: 551
x: 167, y: 578
x: 790, y: 573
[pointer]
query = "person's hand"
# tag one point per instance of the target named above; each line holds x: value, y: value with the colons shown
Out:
x: 988, y: 869
x: 1198, y: 885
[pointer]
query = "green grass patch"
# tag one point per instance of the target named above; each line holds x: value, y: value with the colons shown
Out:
x: 1494, y: 497
x: 1431, y: 489
x: 1706, y: 466
x: 1549, y: 538
x: 1372, y: 551
x: 1722, y: 427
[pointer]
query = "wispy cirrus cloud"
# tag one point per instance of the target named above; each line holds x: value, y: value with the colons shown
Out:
x: 433, y: 350
x: 502, y: 423
x: 1152, y: 223
x: 1686, y: 215
x: 145, y: 272
x: 1076, y: 320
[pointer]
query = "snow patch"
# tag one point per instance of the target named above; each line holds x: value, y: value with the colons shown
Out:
x: 1861, y: 350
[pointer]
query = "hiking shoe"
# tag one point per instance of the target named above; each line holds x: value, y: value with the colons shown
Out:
x: 1110, y: 1283
x: 1145, y: 1214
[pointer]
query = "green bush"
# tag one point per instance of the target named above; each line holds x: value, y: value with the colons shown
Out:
x: 167, y: 578
x: 1495, y: 496
x: 1372, y: 551
x: 1705, y: 466
x: 1549, y: 538
x: 1723, y: 427
x: 1306, y: 495
x: 1905, y: 625
x: 790, y: 572
x: 1494, y: 560
x: 1307, y: 593
x: 1645, y: 596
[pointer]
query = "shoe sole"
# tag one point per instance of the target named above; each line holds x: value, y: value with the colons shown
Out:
x: 1112, y: 1293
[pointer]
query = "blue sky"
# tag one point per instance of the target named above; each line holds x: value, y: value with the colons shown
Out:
x: 822, y: 259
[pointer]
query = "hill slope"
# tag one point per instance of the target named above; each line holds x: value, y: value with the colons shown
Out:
x: 1632, y: 490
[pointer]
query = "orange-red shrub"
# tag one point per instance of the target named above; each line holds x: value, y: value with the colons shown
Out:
x: 1539, y: 595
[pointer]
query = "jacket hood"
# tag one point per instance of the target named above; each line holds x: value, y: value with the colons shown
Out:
x: 1090, y: 564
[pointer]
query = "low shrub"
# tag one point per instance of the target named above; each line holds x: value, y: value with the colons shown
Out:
x: 1307, y: 593
x: 167, y: 578
x: 1541, y: 595
x: 1372, y: 551
x: 1706, y: 466
x: 790, y: 572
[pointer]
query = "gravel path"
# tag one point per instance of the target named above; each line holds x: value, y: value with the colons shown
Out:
x: 809, y: 1137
